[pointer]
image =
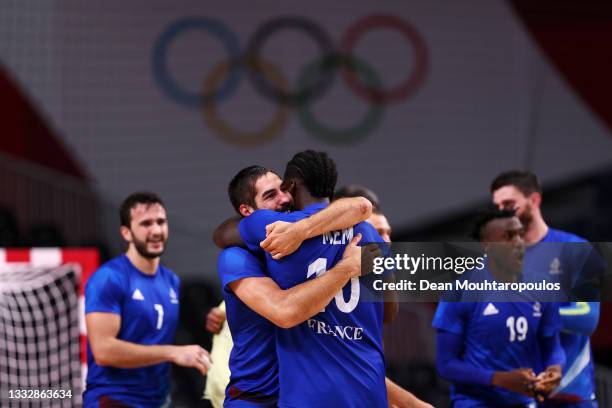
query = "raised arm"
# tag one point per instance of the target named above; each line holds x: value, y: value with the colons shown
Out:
x: 290, y: 307
x: 283, y: 238
x: 108, y: 350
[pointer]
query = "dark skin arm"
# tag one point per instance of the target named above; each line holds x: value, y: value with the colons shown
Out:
x: 227, y: 234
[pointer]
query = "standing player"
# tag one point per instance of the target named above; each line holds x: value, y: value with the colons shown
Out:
x: 335, y: 358
x: 491, y: 350
x: 255, y: 304
x: 398, y: 397
x: 131, y: 306
x: 521, y: 191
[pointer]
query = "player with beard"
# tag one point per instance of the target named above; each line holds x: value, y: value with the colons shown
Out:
x: 132, y: 308
x: 561, y: 255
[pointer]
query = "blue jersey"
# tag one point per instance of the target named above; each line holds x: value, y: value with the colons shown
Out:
x: 149, y: 308
x: 565, y: 262
x: 497, y: 336
x: 334, y: 359
x: 253, y: 362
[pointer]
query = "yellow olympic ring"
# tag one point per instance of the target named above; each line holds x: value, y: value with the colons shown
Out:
x: 241, y: 137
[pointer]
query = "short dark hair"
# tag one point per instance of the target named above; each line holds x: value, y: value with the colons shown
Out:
x: 140, y: 197
x: 241, y: 189
x: 356, y: 190
x: 317, y: 170
x: 525, y: 181
x: 486, y: 215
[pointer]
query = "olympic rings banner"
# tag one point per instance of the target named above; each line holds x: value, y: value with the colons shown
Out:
x: 421, y: 100
x: 269, y: 80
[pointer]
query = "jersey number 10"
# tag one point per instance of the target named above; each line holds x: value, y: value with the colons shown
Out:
x: 318, y: 267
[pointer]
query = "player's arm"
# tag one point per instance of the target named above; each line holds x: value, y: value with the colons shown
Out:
x: 284, y: 238
x: 451, y: 367
x: 580, y: 317
x: 401, y: 398
x: 553, y: 355
x: 553, y: 358
x: 340, y: 214
x: 290, y: 307
x: 227, y: 233
x: 215, y: 319
x: 108, y: 350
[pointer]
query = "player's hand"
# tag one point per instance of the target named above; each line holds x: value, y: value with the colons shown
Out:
x: 547, y: 381
x: 520, y: 380
x: 282, y: 238
x: 351, y: 258
x: 368, y: 254
x: 214, y: 320
x: 191, y: 356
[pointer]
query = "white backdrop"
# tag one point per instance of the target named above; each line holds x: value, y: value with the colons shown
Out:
x: 489, y: 101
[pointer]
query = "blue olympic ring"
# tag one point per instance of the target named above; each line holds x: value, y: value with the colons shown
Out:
x: 160, y: 57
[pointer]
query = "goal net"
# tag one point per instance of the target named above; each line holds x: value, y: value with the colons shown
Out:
x: 41, y: 326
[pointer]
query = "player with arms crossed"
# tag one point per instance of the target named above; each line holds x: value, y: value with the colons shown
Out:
x: 521, y: 191
x: 490, y: 351
x: 255, y: 305
x: 335, y: 358
x: 132, y: 306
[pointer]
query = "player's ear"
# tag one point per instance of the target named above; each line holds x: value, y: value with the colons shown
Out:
x: 126, y: 233
x: 246, y: 210
x: 536, y: 199
x: 288, y: 186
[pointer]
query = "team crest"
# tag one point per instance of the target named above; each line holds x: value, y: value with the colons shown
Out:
x: 555, y: 267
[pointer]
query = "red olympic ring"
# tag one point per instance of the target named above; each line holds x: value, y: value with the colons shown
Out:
x: 421, y: 58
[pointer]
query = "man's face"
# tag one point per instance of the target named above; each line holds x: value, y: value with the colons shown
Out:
x: 380, y: 222
x: 511, y: 198
x: 269, y: 195
x: 504, y: 243
x: 148, y: 230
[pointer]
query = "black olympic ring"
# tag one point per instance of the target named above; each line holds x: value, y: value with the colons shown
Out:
x: 268, y: 89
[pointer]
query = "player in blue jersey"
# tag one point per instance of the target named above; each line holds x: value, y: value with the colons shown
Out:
x: 335, y: 358
x: 255, y: 304
x: 132, y: 306
x: 491, y: 351
x: 398, y: 397
x: 521, y: 191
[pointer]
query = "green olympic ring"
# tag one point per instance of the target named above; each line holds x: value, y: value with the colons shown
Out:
x: 367, y: 123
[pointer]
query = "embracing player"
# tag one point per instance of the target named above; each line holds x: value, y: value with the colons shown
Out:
x: 335, y: 358
x: 255, y: 305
